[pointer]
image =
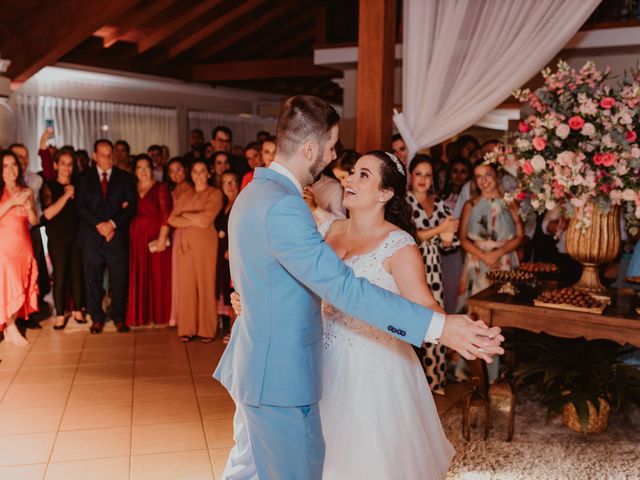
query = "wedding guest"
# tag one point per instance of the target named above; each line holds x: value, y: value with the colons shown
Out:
x: 106, y: 199
x: 263, y: 135
x: 230, y: 190
x: 399, y: 148
x: 178, y: 185
x: 46, y: 159
x: 196, y: 250
x: 268, y: 151
x: 458, y: 174
x: 149, y: 256
x: 436, y: 230
x: 254, y: 160
x: 34, y: 182
x: 222, y: 139
x: 155, y: 153
x: 166, y: 155
x: 82, y: 161
x: 61, y: 221
x: 220, y: 164
x: 18, y: 268
x: 490, y: 233
x: 122, y: 155
x: 196, y: 147
x: 344, y: 164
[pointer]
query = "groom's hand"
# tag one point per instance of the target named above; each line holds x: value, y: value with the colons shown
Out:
x: 471, y: 339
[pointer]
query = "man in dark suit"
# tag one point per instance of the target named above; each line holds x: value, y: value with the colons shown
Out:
x: 107, y: 200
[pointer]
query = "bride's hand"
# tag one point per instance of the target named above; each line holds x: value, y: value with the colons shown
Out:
x: 471, y: 339
x: 235, y: 303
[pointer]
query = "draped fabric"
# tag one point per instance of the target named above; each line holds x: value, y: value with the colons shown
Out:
x: 243, y: 127
x: 462, y: 58
x: 81, y: 122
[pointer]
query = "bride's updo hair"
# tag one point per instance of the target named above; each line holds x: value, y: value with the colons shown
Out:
x: 394, y: 178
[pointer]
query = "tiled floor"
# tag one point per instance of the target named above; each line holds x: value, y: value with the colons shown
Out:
x: 114, y: 406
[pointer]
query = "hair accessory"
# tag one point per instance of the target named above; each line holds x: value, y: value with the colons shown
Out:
x: 396, y: 161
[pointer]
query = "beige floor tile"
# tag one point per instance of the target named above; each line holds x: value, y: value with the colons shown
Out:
x: 78, y: 417
x: 219, y: 433
x: 217, y: 407
x: 114, y: 355
x: 11, y: 364
x: 109, y: 340
x: 23, y: 472
x: 104, y: 373
x: 48, y: 359
x: 30, y: 396
x: 44, y: 375
x: 30, y: 420
x: 163, y: 370
x: 58, y: 344
x: 168, y: 437
x: 166, y: 409
x: 26, y: 449
x: 116, y: 468
x: 101, y: 393
x: 193, y: 465
x: 158, y: 387
x: 92, y: 443
x: 208, y: 386
x: 219, y: 459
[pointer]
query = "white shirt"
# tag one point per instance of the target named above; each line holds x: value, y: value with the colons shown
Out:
x: 434, y: 332
x: 108, y: 172
x: 282, y: 170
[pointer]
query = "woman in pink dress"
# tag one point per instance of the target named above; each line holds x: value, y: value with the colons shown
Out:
x: 18, y: 268
x: 149, y: 255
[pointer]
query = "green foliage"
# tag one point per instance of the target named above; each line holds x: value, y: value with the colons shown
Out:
x: 577, y: 371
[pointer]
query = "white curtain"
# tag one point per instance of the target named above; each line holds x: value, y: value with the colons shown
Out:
x: 462, y: 58
x: 81, y: 122
x: 243, y: 127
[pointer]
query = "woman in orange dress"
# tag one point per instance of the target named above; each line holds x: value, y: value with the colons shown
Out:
x: 196, y: 251
x: 18, y: 268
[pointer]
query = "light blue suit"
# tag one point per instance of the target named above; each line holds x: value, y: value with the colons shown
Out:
x: 282, y: 268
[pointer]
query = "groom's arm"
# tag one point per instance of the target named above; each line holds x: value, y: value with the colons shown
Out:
x: 300, y: 249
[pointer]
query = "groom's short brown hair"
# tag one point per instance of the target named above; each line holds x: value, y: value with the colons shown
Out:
x: 301, y: 118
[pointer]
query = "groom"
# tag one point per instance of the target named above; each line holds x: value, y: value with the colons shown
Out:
x: 282, y: 269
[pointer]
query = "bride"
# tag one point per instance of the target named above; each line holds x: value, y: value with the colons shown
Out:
x: 379, y: 419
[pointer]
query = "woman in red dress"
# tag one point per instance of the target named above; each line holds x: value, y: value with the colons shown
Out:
x: 149, y: 255
x: 18, y: 268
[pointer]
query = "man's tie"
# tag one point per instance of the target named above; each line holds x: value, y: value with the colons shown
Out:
x: 104, y: 184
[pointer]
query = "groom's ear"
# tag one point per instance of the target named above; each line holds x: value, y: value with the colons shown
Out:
x: 310, y: 150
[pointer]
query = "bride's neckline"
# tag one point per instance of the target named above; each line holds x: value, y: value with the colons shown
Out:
x: 364, y: 254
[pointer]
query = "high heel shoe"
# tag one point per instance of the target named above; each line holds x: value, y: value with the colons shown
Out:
x: 59, y: 325
x: 79, y: 319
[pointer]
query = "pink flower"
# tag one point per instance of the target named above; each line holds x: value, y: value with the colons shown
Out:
x: 523, y: 127
x: 607, y: 103
x: 539, y: 143
x: 576, y: 122
x: 521, y: 196
x: 631, y: 136
x: 604, y: 159
x: 527, y: 168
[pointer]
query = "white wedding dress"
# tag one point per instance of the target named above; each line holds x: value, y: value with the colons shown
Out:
x: 378, y: 416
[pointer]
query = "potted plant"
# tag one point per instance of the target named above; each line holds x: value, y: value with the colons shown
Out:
x: 582, y: 379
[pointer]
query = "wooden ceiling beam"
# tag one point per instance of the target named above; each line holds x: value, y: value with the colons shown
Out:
x: 171, y: 27
x: 136, y: 18
x: 30, y: 50
x: 293, y: 42
x: 257, y: 69
x: 246, y: 30
x: 208, y: 30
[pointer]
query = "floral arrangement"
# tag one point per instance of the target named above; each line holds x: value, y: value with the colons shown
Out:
x: 578, y: 144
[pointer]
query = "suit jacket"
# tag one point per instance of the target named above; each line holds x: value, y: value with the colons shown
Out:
x: 93, y: 208
x: 282, y: 267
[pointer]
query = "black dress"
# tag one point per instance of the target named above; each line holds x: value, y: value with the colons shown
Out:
x: 64, y: 253
x: 223, y: 274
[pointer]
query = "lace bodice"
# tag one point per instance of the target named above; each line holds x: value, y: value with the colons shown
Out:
x: 369, y: 266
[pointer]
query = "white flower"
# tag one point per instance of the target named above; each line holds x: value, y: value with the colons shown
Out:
x: 550, y: 204
x: 622, y: 168
x: 607, y: 142
x: 565, y: 158
x: 577, y: 202
x: 578, y: 180
x: 588, y: 130
x: 535, y: 203
x: 628, y: 195
x: 588, y: 108
x: 538, y: 163
x: 616, y: 196
x: 523, y: 144
x: 563, y: 130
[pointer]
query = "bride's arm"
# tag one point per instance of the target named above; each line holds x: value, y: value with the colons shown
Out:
x: 408, y: 272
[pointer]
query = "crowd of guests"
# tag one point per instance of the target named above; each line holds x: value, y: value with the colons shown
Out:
x: 142, y: 239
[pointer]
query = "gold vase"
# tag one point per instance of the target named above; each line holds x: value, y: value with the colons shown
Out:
x: 594, y: 245
x: 597, y: 423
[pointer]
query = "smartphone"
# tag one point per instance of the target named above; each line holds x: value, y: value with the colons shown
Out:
x: 49, y: 125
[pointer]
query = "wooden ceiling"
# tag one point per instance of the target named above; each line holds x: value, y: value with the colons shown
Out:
x: 263, y: 45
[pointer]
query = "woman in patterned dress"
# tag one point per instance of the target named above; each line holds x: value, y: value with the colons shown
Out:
x: 436, y: 230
